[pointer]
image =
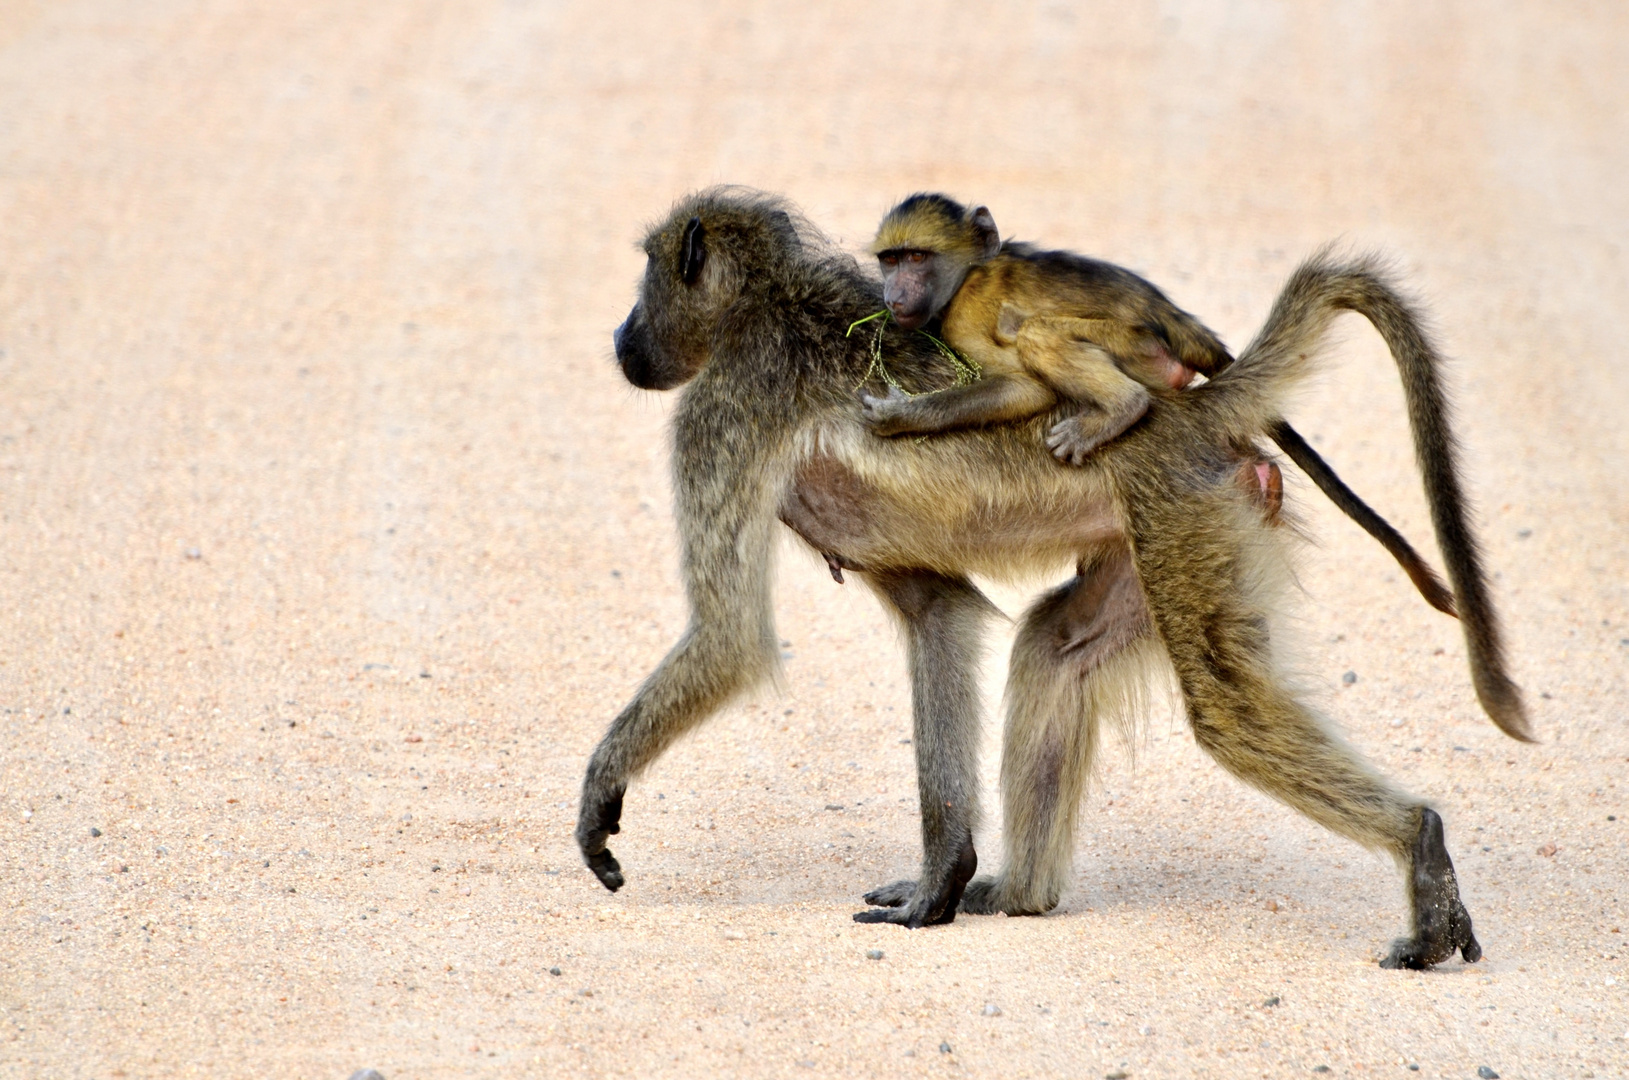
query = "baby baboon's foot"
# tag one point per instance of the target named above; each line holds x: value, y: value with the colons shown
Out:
x: 1073, y: 439
x: 1442, y: 926
x: 884, y: 414
x: 896, y: 894
x: 599, y: 816
x: 927, y: 903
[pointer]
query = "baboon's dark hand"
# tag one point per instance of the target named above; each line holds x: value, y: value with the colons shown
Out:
x: 919, y: 907
x: 607, y: 869
x: 896, y: 894
x: 596, y: 820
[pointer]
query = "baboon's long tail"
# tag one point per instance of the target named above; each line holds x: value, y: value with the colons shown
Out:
x: 1425, y: 579
x: 1283, y: 352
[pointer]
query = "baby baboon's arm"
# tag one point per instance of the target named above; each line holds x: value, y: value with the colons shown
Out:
x: 995, y: 399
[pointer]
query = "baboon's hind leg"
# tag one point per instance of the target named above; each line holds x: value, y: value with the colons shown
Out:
x: 1083, y: 653
x: 1215, y: 630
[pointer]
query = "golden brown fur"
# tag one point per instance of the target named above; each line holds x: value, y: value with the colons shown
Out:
x: 1042, y: 326
x: 1046, y: 326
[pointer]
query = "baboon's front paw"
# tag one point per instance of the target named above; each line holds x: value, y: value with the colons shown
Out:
x: 606, y: 868
x: 895, y: 895
x: 1071, y: 443
x: 597, y: 819
x: 908, y: 907
x: 911, y: 917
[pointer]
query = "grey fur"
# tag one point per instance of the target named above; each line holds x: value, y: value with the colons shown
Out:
x: 1178, y: 570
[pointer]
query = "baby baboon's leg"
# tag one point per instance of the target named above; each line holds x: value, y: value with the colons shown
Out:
x: 944, y: 618
x: 1083, y: 654
x: 1064, y: 353
x: 1203, y: 591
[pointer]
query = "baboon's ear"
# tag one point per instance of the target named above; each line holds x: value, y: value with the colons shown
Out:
x: 692, y: 252
x: 984, y: 227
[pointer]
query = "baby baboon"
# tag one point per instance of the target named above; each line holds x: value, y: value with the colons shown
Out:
x: 1049, y: 325
x: 746, y: 305
x: 1041, y: 326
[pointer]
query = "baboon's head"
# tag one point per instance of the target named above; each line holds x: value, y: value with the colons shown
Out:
x: 714, y: 249
x: 924, y: 247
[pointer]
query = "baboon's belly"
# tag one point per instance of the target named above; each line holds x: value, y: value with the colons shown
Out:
x: 983, y: 502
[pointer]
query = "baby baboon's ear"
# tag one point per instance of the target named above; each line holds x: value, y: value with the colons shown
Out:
x: 692, y: 252
x: 984, y: 229
x: 1008, y: 323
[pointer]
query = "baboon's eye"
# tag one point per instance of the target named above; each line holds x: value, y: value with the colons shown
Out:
x: 692, y: 252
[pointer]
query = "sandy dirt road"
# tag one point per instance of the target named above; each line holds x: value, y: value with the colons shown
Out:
x: 331, y: 539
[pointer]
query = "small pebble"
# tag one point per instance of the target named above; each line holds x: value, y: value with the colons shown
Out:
x: 1117, y: 1074
x: 1145, y: 1030
x: 1546, y: 850
x: 734, y: 935
x: 367, y: 1074
x: 95, y: 831
x: 834, y: 806
x: 1349, y: 678
x: 1269, y: 1003
x: 1413, y: 1068
x: 873, y: 954
x: 554, y: 971
x: 992, y: 1010
x: 1486, y: 1073
x: 944, y: 1048
x: 1320, y: 1068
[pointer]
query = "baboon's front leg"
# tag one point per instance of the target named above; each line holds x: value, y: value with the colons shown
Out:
x: 943, y: 620
x: 708, y: 666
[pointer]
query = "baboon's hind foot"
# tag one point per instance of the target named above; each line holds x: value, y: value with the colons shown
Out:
x: 1442, y: 926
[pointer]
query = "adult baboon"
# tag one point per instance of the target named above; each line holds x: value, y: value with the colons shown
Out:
x: 742, y: 301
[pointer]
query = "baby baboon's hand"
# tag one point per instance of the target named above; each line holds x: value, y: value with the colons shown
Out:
x: 884, y: 414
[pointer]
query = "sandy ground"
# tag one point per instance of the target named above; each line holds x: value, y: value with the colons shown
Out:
x: 332, y: 540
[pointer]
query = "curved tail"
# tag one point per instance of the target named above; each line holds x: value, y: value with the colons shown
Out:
x: 1312, y: 463
x: 1250, y: 391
